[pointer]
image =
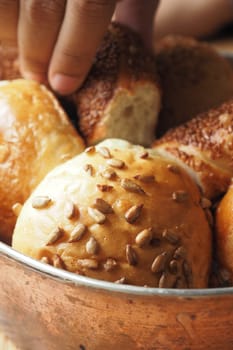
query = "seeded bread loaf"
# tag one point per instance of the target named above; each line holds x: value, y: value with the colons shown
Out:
x: 224, y: 229
x: 35, y: 136
x: 194, y: 78
x: 203, y: 147
x: 120, y: 213
x: 121, y: 96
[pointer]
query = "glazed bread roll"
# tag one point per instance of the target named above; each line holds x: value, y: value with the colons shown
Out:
x: 203, y: 147
x: 194, y: 78
x: 121, y: 96
x: 223, y: 231
x: 120, y: 213
x: 35, y: 136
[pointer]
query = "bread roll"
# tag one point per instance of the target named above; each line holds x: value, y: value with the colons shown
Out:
x: 203, y: 147
x: 35, y: 136
x: 194, y: 78
x: 121, y: 95
x: 224, y: 230
x: 120, y: 213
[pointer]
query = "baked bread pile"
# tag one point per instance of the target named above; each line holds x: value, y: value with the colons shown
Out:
x: 116, y: 211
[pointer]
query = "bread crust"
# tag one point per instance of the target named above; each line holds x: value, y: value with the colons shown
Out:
x: 122, y: 65
x: 136, y: 219
x: 35, y: 136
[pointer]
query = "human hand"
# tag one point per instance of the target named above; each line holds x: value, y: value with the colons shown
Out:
x: 58, y: 39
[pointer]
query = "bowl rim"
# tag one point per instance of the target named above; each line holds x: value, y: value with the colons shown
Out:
x: 75, y: 279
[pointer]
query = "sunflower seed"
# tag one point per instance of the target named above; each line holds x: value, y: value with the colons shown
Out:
x: 69, y: 210
x: 110, y: 264
x: 173, y: 168
x: 103, y: 206
x: 104, y: 152
x: 205, y: 203
x: 109, y: 174
x: 116, y: 163
x: 144, y: 155
x: 77, y: 233
x: 145, y: 178
x: 166, y: 280
x: 173, y: 266
x: 133, y: 213
x: 90, y: 149
x: 180, y: 252
x: 89, y: 169
x: 104, y: 188
x: 180, y: 196
x: 144, y: 237
x: 40, y: 202
x: 131, y: 186
x: 209, y: 217
x: 170, y: 236
x: 58, y: 262
x: 16, y: 208
x: 92, y: 246
x: 96, y: 215
x: 131, y: 255
x: 55, y: 235
x: 88, y: 263
x: 158, y: 265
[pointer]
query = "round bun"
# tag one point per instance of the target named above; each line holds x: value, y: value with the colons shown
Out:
x: 193, y: 77
x: 121, y: 96
x: 224, y: 231
x: 35, y: 136
x: 120, y: 213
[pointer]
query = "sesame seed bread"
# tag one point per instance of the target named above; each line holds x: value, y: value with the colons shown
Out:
x: 35, y: 136
x: 194, y: 78
x: 223, y: 232
x: 121, y: 95
x: 120, y: 213
x: 203, y: 147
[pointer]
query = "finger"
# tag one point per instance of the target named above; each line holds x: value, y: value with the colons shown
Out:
x: 8, y: 20
x: 39, y: 25
x: 138, y: 15
x: 84, y: 26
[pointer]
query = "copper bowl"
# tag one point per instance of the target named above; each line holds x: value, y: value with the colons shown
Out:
x: 44, y: 308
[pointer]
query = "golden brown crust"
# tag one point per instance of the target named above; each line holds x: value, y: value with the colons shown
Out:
x: 194, y: 78
x: 35, y: 136
x: 223, y: 230
x: 204, y: 146
x: 122, y: 64
x: 118, y: 212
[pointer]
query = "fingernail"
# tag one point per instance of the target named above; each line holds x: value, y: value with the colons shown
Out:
x: 64, y: 84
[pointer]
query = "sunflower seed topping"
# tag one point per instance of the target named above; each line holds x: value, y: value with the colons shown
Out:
x: 89, y: 169
x: 166, y: 280
x: 122, y: 280
x: 170, y: 236
x: 131, y: 255
x: 133, y: 213
x: 131, y: 186
x: 45, y: 260
x: 58, y: 262
x: 77, y: 233
x: 90, y: 149
x: 92, y: 246
x: 173, y: 168
x: 103, y: 206
x: 180, y: 252
x: 180, y: 196
x: 116, y: 163
x: 55, y: 235
x: 145, y: 178
x: 110, y: 264
x: 205, y: 203
x: 88, y: 263
x: 96, y: 215
x: 104, y: 188
x: 159, y: 262
x: 69, y: 210
x: 104, y: 152
x: 209, y: 217
x: 144, y: 237
x: 16, y: 208
x: 40, y: 202
x: 109, y: 174
x: 173, y: 266
x: 144, y: 155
